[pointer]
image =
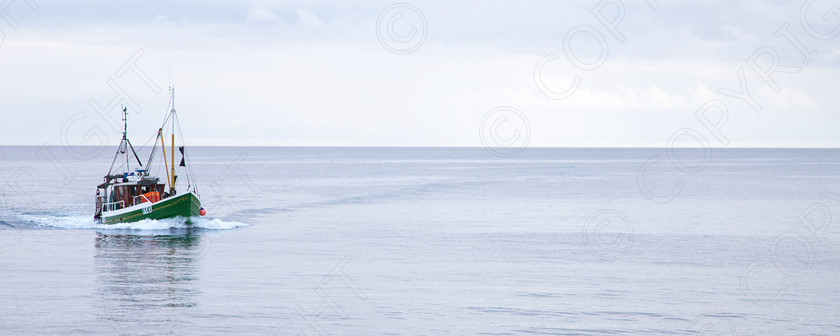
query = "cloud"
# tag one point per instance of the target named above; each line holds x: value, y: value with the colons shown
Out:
x: 786, y: 99
x: 262, y: 15
x: 307, y: 19
x: 304, y: 72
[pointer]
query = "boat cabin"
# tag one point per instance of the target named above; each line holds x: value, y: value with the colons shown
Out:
x: 120, y: 191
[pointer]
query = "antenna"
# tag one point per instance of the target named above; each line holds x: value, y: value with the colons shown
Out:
x: 125, y: 120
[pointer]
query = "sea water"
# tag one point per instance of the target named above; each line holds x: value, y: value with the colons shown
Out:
x: 428, y: 241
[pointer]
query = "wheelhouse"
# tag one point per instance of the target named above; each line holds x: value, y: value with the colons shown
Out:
x: 121, y: 191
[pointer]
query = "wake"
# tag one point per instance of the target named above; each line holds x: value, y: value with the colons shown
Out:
x: 71, y: 222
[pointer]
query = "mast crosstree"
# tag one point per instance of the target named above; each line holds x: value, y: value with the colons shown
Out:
x: 125, y: 145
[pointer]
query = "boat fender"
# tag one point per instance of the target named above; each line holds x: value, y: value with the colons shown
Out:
x: 202, y: 211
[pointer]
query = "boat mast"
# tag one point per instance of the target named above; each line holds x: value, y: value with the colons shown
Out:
x: 166, y: 163
x: 172, y: 154
x: 125, y: 137
x: 125, y: 145
x: 128, y: 142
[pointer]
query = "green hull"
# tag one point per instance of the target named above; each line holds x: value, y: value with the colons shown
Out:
x: 186, y: 205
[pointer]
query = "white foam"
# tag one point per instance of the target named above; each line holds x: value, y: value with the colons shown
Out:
x: 87, y: 222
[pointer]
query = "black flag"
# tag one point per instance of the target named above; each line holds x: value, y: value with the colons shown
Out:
x: 181, y: 149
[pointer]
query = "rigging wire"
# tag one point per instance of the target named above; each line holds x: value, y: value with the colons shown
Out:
x: 154, y: 136
x: 189, y: 169
x: 152, y: 155
x: 147, y: 141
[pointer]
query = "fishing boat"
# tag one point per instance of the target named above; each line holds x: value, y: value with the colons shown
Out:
x: 130, y: 195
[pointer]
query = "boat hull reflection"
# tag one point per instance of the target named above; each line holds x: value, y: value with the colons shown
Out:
x: 145, y: 282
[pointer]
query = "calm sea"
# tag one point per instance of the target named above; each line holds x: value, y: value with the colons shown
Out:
x: 429, y: 241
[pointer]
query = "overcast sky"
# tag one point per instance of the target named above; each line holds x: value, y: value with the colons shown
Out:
x: 425, y: 73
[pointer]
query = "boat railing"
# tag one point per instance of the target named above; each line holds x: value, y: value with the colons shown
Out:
x: 142, y: 199
x: 113, y: 206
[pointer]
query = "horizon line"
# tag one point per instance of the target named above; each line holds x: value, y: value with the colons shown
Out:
x: 464, y: 147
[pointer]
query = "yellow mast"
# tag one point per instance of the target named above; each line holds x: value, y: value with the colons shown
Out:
x: 172, y: 186
x: 162, y: 145
x: 172, y: 114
